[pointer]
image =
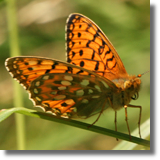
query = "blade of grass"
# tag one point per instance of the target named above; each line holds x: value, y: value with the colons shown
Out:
x: 75, y: 123
x: 14, y: 51
x: 145, y: 128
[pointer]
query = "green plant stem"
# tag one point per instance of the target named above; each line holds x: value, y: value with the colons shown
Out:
x: 7, y: 112
x: 15, y: 51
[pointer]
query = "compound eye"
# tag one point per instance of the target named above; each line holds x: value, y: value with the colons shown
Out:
x: 135, y: 96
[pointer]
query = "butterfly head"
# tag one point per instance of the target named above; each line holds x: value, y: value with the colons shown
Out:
x: 132, y: 87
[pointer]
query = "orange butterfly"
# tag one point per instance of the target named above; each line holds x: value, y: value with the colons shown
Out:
x: 93, y: 80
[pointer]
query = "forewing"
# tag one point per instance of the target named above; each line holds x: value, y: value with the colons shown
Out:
x: 88, y: 47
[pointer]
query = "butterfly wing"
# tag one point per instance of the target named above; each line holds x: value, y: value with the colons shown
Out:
x: 68, y: 94
x: 61, y: 88
x: 26, y: 69
x: 88, y: 47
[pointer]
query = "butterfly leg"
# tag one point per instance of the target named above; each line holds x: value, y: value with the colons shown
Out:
x: 115, y: 118
x: 115, y: 121
x: 98, y: 116
x: 126, y: 119
x: 140, y: 113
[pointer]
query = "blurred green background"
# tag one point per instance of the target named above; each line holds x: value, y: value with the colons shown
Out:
x: 42, y: 33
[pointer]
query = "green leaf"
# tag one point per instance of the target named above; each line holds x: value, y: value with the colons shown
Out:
x: 145, y: 128
x: 5, y: 113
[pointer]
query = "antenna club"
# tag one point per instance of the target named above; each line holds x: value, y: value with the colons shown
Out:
x: 139, y: 75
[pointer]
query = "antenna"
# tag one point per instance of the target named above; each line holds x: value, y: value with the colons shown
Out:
x: 140, y: 75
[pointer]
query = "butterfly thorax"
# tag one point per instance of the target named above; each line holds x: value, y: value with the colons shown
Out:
x: 128, y: 89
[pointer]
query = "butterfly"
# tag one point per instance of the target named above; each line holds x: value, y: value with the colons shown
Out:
x: 93, y: 79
